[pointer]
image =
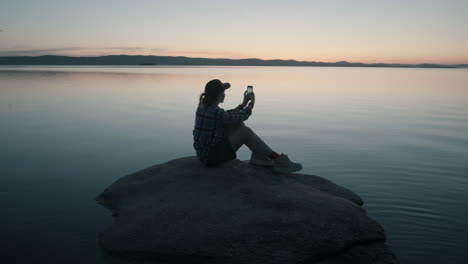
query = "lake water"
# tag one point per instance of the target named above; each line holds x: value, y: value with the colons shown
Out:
x: 398, y: 137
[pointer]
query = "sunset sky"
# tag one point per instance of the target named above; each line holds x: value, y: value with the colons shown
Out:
x: 397, y: 31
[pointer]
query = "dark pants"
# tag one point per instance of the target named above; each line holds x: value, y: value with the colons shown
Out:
x: 223, y: 151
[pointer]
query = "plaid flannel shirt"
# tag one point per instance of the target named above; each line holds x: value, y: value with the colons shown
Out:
x: 210, y: 123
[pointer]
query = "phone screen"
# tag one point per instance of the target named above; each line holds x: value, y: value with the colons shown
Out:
x: 250, y: 89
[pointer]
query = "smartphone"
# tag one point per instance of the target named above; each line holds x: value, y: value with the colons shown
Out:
x: 249, y: 89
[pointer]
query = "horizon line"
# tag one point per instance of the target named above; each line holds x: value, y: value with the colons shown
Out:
x: 294, y: 60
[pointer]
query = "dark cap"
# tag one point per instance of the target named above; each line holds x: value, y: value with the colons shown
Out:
x: 215, y: 87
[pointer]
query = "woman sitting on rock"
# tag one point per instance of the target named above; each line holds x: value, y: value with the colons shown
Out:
x: 218, y: 134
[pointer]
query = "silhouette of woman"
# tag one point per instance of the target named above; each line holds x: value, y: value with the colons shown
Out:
x: 218, y: 133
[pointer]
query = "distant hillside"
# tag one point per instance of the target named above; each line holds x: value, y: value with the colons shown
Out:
x: 167, y: 60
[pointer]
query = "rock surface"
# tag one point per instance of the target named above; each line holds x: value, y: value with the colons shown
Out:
x: 183, y: 212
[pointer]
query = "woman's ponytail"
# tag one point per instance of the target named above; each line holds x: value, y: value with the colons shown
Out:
x: 206, y: 99
x: 202, y: 98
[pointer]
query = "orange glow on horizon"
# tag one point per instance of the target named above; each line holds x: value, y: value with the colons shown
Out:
x: 219, y: 54
x: 449, y: 59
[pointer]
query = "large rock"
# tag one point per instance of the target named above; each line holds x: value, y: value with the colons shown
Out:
x: 183, y: 212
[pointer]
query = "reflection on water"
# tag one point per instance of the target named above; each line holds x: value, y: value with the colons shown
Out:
x: 398, y: 137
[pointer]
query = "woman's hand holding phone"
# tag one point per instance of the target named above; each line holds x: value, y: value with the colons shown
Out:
x: 248, y: 97
x: 252, y: 97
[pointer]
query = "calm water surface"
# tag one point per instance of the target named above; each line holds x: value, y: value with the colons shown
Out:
x: 397, y: 137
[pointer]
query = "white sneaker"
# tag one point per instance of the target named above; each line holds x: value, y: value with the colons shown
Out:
x: 284, y: 164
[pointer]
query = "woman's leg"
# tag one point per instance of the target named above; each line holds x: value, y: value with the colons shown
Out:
x: 231, y: 128
x: 243, y: 134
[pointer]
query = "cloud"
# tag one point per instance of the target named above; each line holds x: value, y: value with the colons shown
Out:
x: 31, y: 52
x: 80, y: 51
x: 206, y: 54
x: 127, y: 50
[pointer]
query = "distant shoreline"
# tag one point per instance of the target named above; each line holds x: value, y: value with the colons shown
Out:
x: 143, y: 60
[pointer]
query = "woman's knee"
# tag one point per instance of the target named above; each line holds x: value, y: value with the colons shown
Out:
x: 238, y: 125
x: 231, y: 128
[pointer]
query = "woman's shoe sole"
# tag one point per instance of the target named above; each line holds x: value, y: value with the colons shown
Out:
x: 260, y: 163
